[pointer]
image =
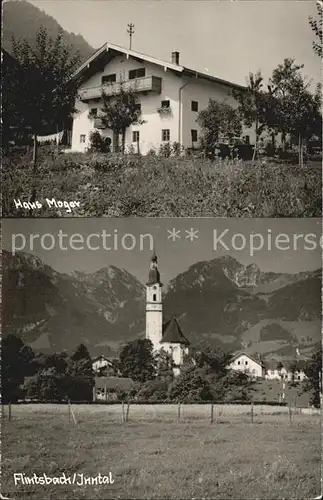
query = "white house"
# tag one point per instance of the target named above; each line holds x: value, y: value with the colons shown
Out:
x: 167, y: 336
x: 102, y: 363
x: 280, y: 371
x: 245, y: 363
x: 170, y: 97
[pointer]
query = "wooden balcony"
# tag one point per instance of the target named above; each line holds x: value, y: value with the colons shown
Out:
x: 146, y: 84
x: 98, y: 123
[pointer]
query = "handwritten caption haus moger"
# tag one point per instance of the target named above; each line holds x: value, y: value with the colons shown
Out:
x: 224, y: 240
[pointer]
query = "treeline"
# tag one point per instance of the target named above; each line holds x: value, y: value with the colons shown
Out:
x: 52, y: 377
x: 203, y: 376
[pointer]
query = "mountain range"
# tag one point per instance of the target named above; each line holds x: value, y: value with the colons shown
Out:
x: 22, y: 19
x: 218, y: 302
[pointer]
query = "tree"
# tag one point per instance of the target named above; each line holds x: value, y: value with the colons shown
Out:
x: 120, y: 111
x: 313, y: 371
x: 297, y: 110
x: 213, y: 360
x: 218, y: 120
x: 80, y: 375
x: 316, y: 25
x: 16, y: 365
x: 10, y: 99
x: 252, y: 105
x: 191, y: 385
x: 137, y: 360
x: 164, y: 365
x: 46, y: 90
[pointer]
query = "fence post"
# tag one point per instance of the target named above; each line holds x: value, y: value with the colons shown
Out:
x: 9, y: 411
x: 179, y: 412
x: 123, y: 415
x: 290, y: 413
x: 93, y: 394
x: 252, y: 412
x: 127, y: 414
x: 105, y: 393
x: 212, y: 410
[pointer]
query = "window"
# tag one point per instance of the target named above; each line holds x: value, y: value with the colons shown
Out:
x: 165, y: 135
x: 154, y: 297
x: 247, y: 139
x: 194, y: 135
x: 138, y: 106
x: 108, y: 78
x: 137, y: 73
x: 82, y: 138
x: 94, y: 112
x: 246, y: 362
x: 298, y: 377
x: 194, y: 106
x: 165, y: 104
x: 238, y: 362
x: 135, y: 136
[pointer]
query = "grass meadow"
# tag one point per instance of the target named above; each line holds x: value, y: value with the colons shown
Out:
x: 123, y: 186
x: 154, y: 455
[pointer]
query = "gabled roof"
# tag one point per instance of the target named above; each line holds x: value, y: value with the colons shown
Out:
x: 172, y: 333
x: 181, y: 70
x: 241, y: 353
x: 102, y: 358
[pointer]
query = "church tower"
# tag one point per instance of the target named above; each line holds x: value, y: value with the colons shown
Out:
x: 154, y: 305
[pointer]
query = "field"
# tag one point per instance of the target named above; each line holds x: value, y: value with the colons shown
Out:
x: 156, y: 456
x: 123, y: 186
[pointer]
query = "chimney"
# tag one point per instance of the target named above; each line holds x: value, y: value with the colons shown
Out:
x: 175, y: 58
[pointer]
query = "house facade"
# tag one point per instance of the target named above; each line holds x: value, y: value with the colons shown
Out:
x: 170, y: 97
x: 102, y: 364
x: 167, y: 336
x: 244, y: 363
x: 280, y: 371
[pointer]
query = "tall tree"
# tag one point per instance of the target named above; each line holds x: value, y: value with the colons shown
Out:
x: 120, y: 111
x: 252, y: 105
x: 316, y: 25
x: 46, y: 90
x: 218, y: 120
x: 297, y: 110
x: 16, y: 365
x: 137, y: 360
x: 313, y: 371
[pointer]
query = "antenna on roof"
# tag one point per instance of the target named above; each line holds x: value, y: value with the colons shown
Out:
x: 131, y: 31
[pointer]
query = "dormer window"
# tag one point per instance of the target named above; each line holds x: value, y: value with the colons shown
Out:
x: 165, y: 104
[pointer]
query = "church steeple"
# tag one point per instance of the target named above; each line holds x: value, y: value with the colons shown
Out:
x: 154, y: 275
x: 154, y: 306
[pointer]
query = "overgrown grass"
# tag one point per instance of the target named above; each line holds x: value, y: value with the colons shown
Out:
x: 152, y: 458
x: 116, y: 186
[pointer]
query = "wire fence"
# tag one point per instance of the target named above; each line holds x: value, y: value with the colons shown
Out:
x: 127, y: 412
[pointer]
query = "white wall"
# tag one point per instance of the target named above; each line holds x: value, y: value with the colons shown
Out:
x: 154, y: 315
x: 202, y: 91
x: 246, y: 365
x: 100, y: 363
x: 177, y: 351
x: 150, y: 132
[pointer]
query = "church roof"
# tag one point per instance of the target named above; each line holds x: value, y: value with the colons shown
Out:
x: 172, y: 333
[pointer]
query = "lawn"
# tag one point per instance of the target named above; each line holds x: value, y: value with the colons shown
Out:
x: 122, y: 186
x: 155, y: 456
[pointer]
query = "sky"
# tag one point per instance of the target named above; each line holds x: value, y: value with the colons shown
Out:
x: 226, y: 39
x: 175, y: 255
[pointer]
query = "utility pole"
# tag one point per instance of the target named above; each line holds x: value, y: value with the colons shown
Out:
x: 131, y: 31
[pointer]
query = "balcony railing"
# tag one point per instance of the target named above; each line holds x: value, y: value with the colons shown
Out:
x: 98, y: 123
x: 147, y: 84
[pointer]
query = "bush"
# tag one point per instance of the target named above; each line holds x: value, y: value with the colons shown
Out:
x: 99, y: 144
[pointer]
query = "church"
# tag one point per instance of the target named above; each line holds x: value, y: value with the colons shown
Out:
x: 167, y: 336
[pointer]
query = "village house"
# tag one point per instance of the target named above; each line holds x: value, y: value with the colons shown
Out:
x: 103, y: 366
x: 284, y: 371
x: 247, y: 364
x: 170, y: 97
